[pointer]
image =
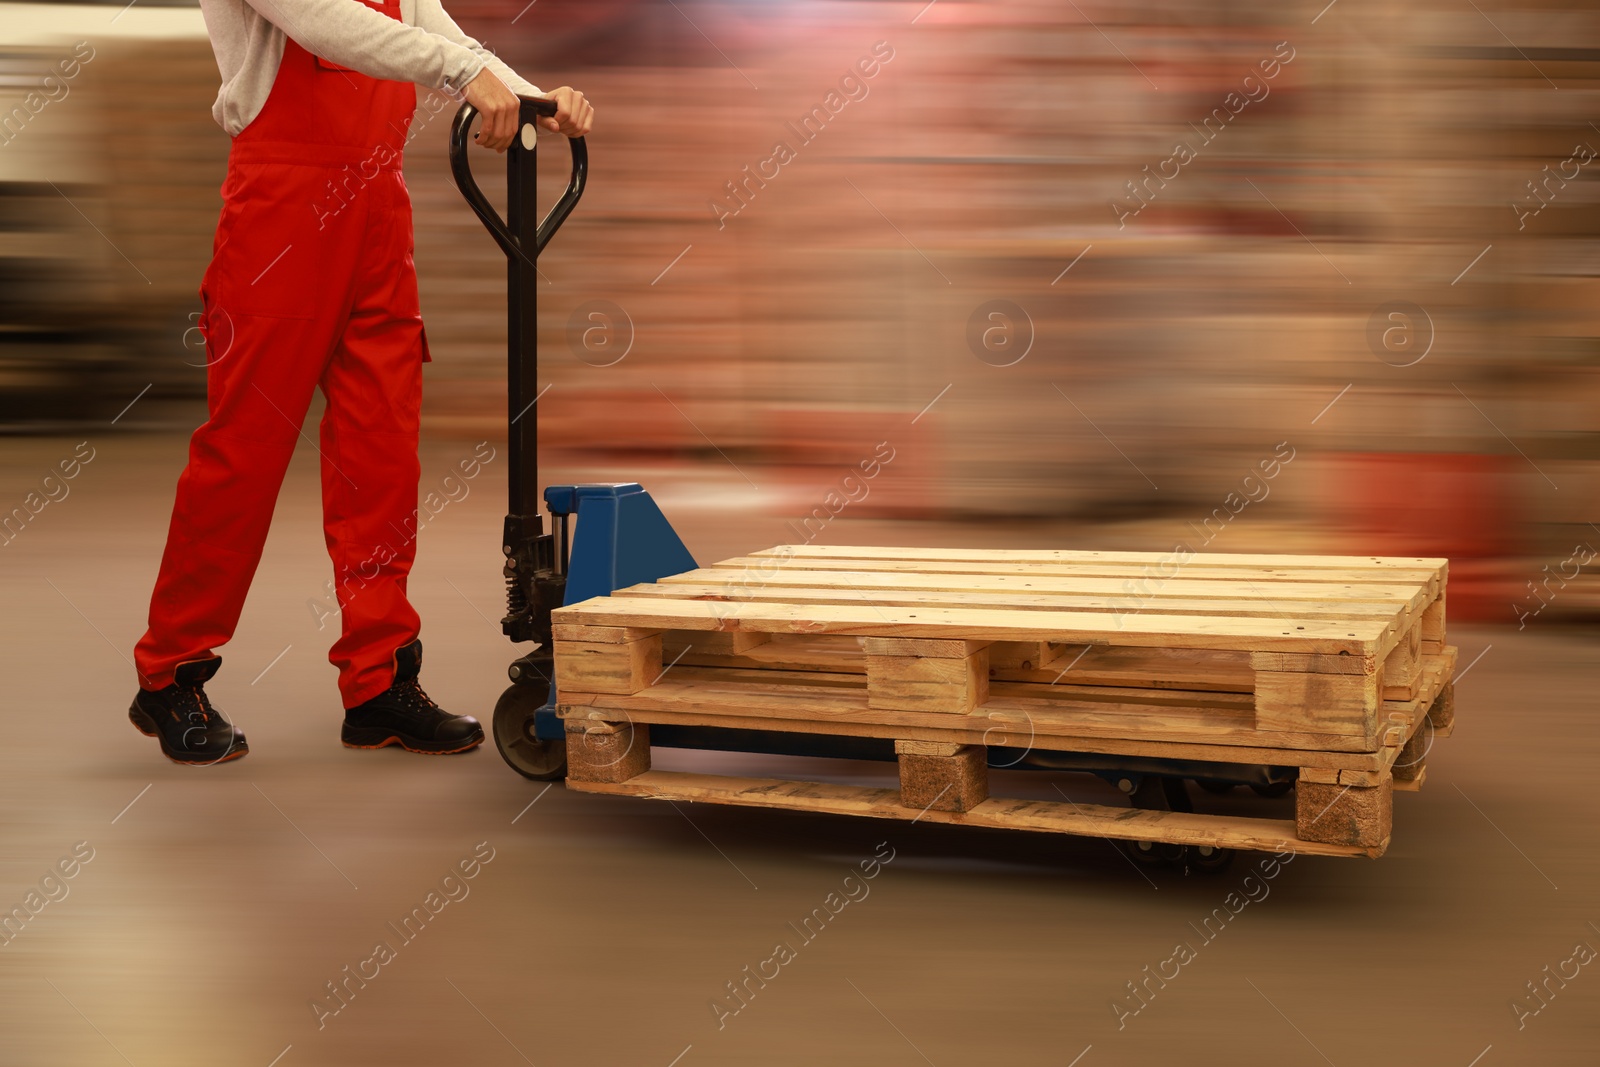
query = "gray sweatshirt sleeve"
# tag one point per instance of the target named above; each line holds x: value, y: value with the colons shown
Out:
x: 354, y: 35
x: 431, y: 16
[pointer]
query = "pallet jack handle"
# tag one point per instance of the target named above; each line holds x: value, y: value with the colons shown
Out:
x: 460, y: 165
x: 536, y: 559
x: 624, y: 538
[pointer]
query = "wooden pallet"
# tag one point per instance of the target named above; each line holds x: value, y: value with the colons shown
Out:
x: 1329, y: 664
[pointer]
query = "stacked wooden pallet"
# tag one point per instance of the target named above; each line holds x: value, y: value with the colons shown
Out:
x: 1333, y: 665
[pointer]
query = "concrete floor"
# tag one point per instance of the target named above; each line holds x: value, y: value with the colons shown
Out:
x: 218, y: 903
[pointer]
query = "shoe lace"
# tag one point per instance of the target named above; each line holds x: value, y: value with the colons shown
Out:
x: 193, y: 700
x: 415, y: 701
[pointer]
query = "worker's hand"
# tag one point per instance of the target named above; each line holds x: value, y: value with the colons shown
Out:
x: 499, y: 107
x: 573, y: 115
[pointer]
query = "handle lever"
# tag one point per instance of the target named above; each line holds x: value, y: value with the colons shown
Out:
x: 532, y: 107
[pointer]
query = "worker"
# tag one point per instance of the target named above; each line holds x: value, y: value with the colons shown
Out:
x: 312, y: 284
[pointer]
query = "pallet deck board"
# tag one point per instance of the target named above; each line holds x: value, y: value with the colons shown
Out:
x: 1063, y: 555
x: 1224, y: 582
x: 1204, y: 570
x: 1125, y: 824
x: 1308, y: 603
x: 1348, y: 637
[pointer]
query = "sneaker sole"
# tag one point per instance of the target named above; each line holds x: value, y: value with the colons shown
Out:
x: 375, y: 739
x: 147, y: 726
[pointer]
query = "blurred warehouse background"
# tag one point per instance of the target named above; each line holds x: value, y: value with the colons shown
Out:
x: 1088, y: 264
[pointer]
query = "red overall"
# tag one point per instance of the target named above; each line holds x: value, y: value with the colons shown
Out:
x: 311, y: 283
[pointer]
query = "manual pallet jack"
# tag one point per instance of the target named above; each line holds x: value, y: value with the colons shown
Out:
x: 623, y: 539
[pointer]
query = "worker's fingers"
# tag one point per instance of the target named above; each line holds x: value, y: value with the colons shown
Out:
x: 499, y: 108
x: 582, y: 118
x: 502, y: 123
x: 504, y: 127
x: 574, y: 114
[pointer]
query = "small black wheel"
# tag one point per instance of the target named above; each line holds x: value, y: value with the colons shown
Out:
x: 1276, y: 789
x: 532, y: 757
x: 1151, y: 853
x: 1208, y: 859
x: 1212, y: 785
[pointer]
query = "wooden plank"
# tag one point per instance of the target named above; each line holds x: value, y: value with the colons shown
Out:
x: 1002, y: 555
x: 1365, y: 779
x: 726, y: 584
x: 927, y: 748
x: 607, y: 635
x: 1128, y: 824
x: 827, y: 590
x: 1354, y: 637
x: 977, y: 730
x: 1122, y: 575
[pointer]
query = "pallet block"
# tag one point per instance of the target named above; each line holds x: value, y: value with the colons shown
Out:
x: 1339, y: 814
x: 907, y: 674
x: 610, y: 660
x: 1442, y: 712
x: 606, y: 751
x: 937, y: 774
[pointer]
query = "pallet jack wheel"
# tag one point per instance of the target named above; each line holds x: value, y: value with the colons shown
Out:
x: 1162, y: 793
x: 1157, y: 793
x: 1276, y: 789
x: 1208, y: 859
x: 1153, y: 853
x: 532, y: 757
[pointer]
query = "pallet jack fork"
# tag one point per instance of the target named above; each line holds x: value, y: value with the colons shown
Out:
x: 622, y: 538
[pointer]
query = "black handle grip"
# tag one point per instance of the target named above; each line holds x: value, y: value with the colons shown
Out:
x: 532, y: 107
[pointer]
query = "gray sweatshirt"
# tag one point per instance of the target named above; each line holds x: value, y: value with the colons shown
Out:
x: 425, y: 46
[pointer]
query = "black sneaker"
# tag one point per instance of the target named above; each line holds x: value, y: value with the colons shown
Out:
x: 404, y: 715
x: 181, y: 717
